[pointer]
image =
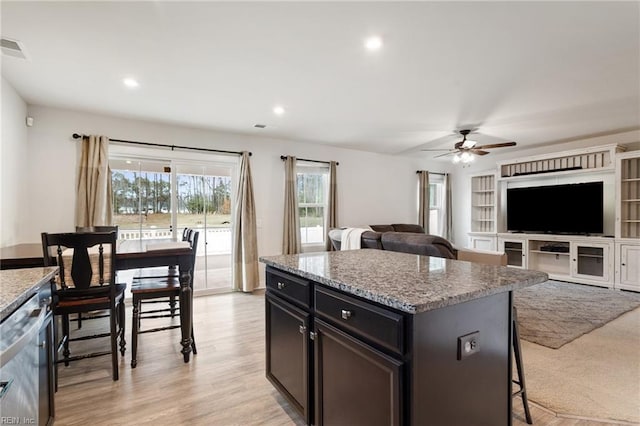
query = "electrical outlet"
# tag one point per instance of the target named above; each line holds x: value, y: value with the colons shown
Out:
x: 468, y: 345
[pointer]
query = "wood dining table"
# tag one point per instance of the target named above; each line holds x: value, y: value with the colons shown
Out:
x: 131, y: 254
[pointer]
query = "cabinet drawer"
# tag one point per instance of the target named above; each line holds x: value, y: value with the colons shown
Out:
x: 376, y: 324
x: 292, y: 288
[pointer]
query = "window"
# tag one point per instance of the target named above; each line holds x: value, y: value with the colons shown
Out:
x: 436, y: 204
x: 312, y: 182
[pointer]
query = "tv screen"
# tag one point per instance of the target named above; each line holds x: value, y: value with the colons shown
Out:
x: 563, y: 209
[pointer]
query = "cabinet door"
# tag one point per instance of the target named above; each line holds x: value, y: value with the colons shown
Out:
x: 516, y: 251
x: 590, y: 261
x: 287, y: 348
x: 482, y: 243
x: 354, y: 383
x: 630, y: 266
x: 46, y: 373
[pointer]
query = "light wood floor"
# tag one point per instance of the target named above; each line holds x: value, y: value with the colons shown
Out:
x: 224, y: 384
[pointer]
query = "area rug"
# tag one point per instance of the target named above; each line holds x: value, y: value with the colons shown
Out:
x: 554, y: 313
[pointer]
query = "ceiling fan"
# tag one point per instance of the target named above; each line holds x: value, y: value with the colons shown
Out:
x: 465, y: 150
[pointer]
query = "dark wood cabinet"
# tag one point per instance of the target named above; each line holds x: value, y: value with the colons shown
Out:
x: 287, y: 331
x: 354, y: 383
x: 345, y: 360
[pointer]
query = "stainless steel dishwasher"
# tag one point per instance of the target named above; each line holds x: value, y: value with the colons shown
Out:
x: 19, y: 364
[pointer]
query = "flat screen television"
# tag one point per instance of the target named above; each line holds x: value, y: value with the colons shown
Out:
x: 558, y: 209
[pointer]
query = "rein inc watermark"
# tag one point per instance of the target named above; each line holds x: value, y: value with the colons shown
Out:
x: 17, y: 421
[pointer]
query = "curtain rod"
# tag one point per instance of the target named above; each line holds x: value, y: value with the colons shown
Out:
x: 284, y: 157
x: 432, y: 173
x: 79, y: 136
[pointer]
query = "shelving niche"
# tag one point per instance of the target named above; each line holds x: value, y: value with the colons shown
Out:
x: 630, y: 197
x: 483, y: 203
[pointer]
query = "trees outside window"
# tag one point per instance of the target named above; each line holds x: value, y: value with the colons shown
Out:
x: 312, y: 183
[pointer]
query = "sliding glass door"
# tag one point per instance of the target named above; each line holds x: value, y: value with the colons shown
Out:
x: 204, y: 203
x: 157, y: 198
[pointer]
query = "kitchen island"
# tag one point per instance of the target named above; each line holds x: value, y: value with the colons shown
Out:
x: 379, y: 337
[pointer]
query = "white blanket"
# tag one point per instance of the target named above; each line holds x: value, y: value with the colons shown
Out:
x: 351, y: 237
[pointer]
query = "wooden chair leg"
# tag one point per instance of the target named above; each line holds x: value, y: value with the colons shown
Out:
x: 517, y: 352
x: 113, y: 320
x: 135, y: 327
x: 172, y: 305
x: 193, y: 343
x: 65, y: 336
x: 121, y: 328
x: 79, y: 321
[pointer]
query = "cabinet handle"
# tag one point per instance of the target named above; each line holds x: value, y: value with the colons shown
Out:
x: 281, y: 286
x: 624, y: 264
x: 43, y: 344
x: 302, y: 329
x: 313, y: 335
x: 346, y: 314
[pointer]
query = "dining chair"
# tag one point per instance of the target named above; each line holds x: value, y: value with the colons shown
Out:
x: 160, y: 273
x: 147, y: 289
x: 86, y: 282
x: 100, y: 228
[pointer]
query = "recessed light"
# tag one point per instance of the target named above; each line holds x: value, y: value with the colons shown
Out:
x: 128, y: 161
x: 373, y: 43
x: 278, y: 110
x: 130, y: 82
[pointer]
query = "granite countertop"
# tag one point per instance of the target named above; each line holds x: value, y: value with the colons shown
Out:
x: 18, y: 285
x: 406, y: 282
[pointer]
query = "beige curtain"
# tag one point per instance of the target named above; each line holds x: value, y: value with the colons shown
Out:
x: 291, y: 235
x: 245, y: 244
x: 93, y: 189
x: 332, y: 204
x: 448, y: 211
x: 423, y: 200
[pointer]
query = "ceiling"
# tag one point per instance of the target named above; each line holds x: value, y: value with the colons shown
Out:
x: 533, y: 72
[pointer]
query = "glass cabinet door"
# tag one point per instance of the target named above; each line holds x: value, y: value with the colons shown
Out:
x: 590, y: 261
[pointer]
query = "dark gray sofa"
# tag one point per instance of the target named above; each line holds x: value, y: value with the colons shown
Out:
x: 406, y: 238
x: 410, y: 238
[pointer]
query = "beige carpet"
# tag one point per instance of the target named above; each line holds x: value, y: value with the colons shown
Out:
x: 595, y: 376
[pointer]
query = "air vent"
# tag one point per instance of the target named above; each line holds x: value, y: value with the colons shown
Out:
x: 12, y: 48
x: 260, y: 126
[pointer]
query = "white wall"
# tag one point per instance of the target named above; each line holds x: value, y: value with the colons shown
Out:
x: 373, y: 188
x: 13, y: 165
x: 461, y: 182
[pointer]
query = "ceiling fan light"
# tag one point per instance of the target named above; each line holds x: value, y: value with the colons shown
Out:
x: 456, y: 158
x: 466, y: 157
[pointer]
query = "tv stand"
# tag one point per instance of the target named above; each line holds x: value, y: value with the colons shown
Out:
x: 574, y: 258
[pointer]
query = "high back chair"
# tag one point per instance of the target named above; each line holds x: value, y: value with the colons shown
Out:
x: 147, y: 289
x: 101, y: 228
x: 86, y: 282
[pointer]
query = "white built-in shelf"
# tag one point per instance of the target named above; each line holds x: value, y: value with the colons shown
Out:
x: 629, y: 195
x: 483, y: 203
x: 561, y: 253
